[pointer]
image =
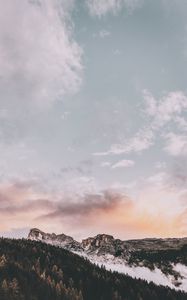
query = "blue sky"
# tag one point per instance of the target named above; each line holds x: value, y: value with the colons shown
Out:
x: 93, y: 127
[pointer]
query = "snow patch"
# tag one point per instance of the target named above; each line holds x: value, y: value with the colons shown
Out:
x: 182, y: 270
x: 156, y: 276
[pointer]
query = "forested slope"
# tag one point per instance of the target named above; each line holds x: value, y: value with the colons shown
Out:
x: 31, y: 270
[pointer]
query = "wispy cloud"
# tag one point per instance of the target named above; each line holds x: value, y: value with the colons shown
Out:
x: 39, y: 59
x: 175, y: 144
x: 157, y: 114
x: 143, y: 140
x: 165, y: 109
x: 104, y: 33
x: 125, y: 163
x: 102, y: 7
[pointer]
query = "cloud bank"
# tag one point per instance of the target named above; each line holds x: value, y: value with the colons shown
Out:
x: 150, y: 213
x: 40, y: 61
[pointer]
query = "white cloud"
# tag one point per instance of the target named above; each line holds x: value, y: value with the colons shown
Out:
x: 176, y: 144
x: 39, y: 60
x: 142, y: 140
x: 104, y: 33
x: 102, y: 7
x: 159, y: 113
x: 125, y: 163
x: 166, y: 109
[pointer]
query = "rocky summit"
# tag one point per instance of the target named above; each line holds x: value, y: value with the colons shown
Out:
x: 60, y: 240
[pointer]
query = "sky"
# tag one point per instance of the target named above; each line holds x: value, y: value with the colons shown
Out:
x: 93, y: 117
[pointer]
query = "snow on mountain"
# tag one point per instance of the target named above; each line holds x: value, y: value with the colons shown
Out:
x: 60, y: 240
x: 162, y: 261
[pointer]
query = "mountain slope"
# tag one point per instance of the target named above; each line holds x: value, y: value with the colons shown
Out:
x: 31, y: 270
x: 163, y: 261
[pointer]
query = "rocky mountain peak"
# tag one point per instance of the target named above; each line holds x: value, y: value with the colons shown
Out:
x: 97, y: 241
x: 100, y: 244
x: 60, y: 240
x: 35, y: 234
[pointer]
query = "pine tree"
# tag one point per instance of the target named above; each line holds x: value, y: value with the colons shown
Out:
x: 15, y: 290
x: 4, y: 287
x: 3, y: 260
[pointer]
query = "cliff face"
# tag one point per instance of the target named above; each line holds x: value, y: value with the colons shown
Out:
x: 100, y: 242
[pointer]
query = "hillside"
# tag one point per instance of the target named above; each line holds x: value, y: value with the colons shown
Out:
x: 162, y: 261
x: 31, y: 270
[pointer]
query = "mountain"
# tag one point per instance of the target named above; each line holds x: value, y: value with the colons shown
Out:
x: 60, y: 240
x: 33, y: 270
x: 162, y: 261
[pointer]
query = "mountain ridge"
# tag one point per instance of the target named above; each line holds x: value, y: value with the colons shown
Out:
x: 162, y: 261
x: 100, y: 239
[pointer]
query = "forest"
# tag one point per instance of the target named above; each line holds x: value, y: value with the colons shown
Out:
x: 31, y: 270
